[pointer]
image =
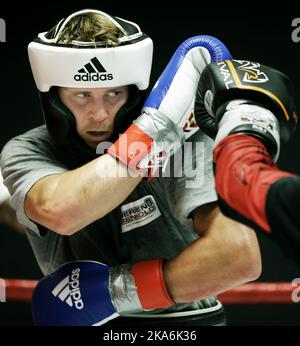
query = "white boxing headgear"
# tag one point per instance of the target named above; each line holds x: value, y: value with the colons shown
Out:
x: 92, y: 64
x: 79, y: 64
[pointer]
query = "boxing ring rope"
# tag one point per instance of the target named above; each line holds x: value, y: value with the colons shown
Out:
x: 259, y: 293
x: 19, y: 290
x: 252, y: 293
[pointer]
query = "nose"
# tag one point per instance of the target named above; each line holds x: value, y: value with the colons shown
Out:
x: 98, y: 112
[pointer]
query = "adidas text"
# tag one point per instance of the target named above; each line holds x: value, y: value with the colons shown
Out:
x: 75, y: 291
x: 93, y: 77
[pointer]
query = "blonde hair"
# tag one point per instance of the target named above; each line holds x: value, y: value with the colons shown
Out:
x: 89, y: 27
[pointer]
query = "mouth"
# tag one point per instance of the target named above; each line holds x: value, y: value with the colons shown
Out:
x: 99, y: 134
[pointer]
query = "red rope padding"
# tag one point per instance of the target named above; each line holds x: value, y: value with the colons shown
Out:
x: 253, y: 293
x: 19, y: 290
x: 259, y: 293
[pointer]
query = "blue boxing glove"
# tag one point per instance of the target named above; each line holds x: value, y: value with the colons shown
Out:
x: 167, y: 116
x: 86, y: 293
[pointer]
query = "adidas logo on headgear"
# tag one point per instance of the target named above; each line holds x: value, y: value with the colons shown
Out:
x: 68, y: 291
x: 93, y: 71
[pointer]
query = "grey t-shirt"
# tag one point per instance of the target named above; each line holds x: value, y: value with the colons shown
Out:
x: 153, y: 221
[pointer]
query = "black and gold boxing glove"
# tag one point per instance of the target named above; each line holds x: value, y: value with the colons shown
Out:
x: 239, y: 96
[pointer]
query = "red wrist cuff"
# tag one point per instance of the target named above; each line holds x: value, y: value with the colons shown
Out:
x: 131, y: 147
x: 151, y: 286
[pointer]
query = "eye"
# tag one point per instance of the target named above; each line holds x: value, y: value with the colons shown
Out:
x: 114, y: 93
x: 83, y: 94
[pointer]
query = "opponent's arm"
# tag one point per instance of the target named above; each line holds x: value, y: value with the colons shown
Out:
x: 244, y: 164
x: 67, y: 202
x: 249, y: 116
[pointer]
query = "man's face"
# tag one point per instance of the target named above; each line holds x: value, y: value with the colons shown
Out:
x: 94, y: 110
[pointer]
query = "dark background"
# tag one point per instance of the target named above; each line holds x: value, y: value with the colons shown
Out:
x: 249, y: 31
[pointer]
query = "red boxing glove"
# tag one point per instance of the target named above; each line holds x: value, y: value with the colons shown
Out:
x: 244, y: 173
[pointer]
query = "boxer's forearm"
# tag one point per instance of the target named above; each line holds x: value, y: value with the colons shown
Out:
x: 67, y: 202
x: 227, y: 255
